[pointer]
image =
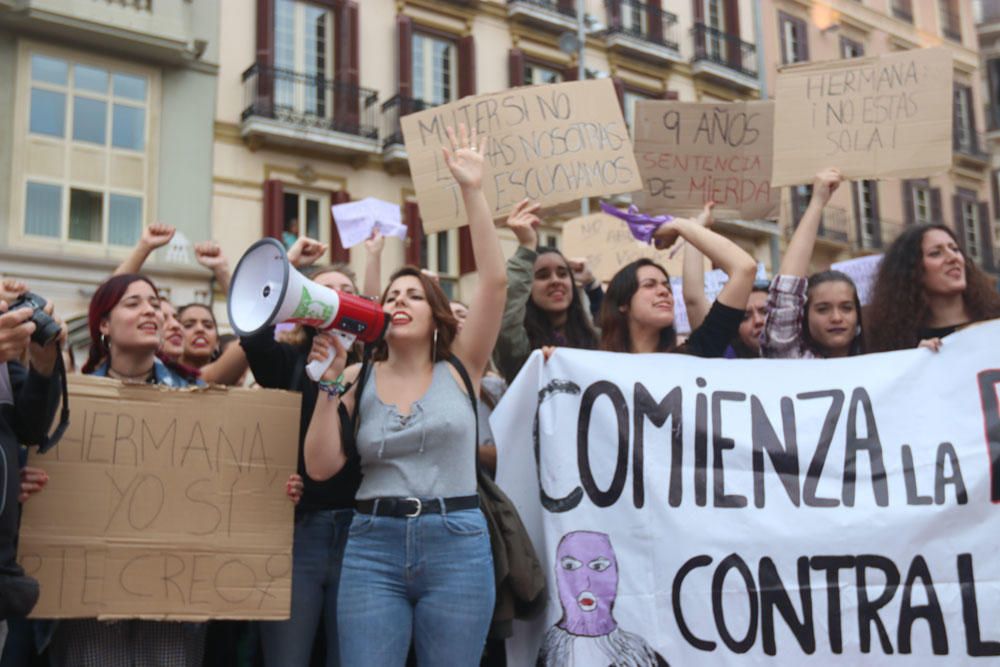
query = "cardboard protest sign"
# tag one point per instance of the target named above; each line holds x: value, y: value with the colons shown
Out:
x: 876, y: 117
x: 690, y: 153
x: 755, y: 512
x: 607, y: 244
x: 165, y: 504
x: 553, y: 144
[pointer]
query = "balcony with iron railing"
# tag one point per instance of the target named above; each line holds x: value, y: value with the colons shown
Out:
x: 397, y: 106
x: 556, y: 15
x: 292, y: 108
x: 724, y: 57
x: 642, y: 30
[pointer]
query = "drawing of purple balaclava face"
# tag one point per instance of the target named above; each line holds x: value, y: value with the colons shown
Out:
x: 587, y: 578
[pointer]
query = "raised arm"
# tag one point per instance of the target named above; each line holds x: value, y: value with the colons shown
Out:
x: 228, y: 368
x: 800, y: 248
x: 513, y: 347
x: 323, y: 450
x: 737, y: 264
x: 305, y: 252
x: 209, y: 255
x: 693, y: 275
x: 373, y: 265
x: 154, y: 236
x: 479, y: 334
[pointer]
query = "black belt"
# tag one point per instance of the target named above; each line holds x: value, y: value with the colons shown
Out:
x: 414, y: 507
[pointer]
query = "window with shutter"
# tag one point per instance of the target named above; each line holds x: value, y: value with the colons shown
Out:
x: 303, y: 215
x: 986, y: 233
x: 967, y: 211
x: 338, y: 253
x: 435, y: 69
x: 629, y: 100
x: 414, y: 234
x: 951, y: 20
x: 865, y: 193
x: 963, y: 118
x: 274, y: 209
x: 850, y: 48
x: 515, y: 67
x: 715, y: 19
x: 794, y: 47
x: 303, y: 58
x: 535, y: 73
x: 921, y: 203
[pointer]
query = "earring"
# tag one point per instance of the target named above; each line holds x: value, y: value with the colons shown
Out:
x: 434, y: 348
x: 105, y: 342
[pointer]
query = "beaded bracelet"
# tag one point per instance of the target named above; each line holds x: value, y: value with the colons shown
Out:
x: 333, y: 387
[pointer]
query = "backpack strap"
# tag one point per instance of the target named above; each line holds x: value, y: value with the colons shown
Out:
x: 460, y: 367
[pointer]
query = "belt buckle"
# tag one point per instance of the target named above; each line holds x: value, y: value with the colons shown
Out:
x: 416, y: 513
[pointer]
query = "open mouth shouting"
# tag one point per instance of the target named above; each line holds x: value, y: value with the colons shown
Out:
x: 149, y: 327
x: 401, y: 318
x: 199, y: 341
x: 587, y: 601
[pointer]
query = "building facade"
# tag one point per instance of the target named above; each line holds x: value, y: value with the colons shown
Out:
x: 866, y: 216
x: 311, y: 92
x: 108, y: 128
x: 988, y: 34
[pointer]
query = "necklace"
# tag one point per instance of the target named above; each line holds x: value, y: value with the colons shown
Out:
x: 141, y: 378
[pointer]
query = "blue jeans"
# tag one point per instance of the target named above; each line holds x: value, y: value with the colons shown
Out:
x: 429, y: 578
x: 317, y: 553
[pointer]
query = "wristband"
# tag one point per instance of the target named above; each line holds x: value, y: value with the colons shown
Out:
x: 333, y: 387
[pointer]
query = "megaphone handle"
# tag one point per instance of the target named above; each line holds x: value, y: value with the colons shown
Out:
x: 315, y: 369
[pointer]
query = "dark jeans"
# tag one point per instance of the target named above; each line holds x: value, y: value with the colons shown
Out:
x: 317, y: 553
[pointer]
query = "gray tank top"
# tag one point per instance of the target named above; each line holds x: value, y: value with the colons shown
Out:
x: 427, y: 454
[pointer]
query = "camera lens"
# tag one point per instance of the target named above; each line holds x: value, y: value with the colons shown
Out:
x: 46, y: 328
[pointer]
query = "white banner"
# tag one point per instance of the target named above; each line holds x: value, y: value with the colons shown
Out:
x: 696, y: 511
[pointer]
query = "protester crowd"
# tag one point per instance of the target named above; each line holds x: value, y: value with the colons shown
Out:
x: 392, y: 558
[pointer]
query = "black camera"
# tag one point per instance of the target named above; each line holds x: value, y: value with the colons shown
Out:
x: 46, y: 328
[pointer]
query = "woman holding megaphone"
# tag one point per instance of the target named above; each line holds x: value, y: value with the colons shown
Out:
x: 418, y: 561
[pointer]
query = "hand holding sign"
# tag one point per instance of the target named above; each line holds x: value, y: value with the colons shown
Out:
x: 885, y: 116
x: 465, y: 159
x: 825, y: 184
x: 553, y: 144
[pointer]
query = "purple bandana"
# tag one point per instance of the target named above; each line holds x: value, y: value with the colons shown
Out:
x: 641, y: 225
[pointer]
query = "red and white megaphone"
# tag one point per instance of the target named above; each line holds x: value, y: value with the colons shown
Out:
x: 266, y: 290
